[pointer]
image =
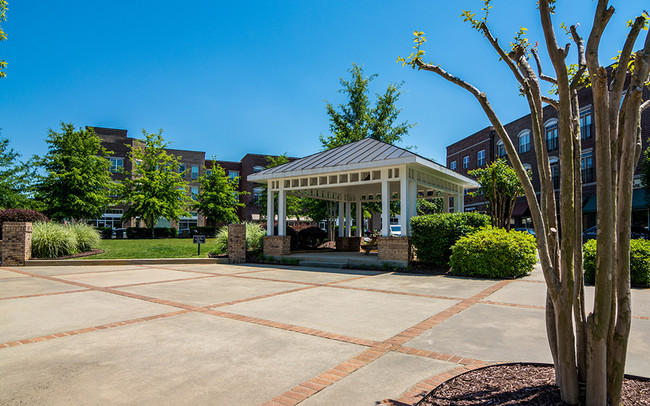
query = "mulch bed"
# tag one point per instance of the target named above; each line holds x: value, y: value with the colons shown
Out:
x: 517, y: 384
x: 78, y: 255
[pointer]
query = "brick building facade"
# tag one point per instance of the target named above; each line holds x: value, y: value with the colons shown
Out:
x: 484, y: 147
x: 194, y: 164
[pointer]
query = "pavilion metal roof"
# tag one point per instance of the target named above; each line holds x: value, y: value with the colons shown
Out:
x: 365, y: 153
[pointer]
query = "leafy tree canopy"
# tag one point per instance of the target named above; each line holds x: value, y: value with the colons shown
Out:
x: 501, y: 187
x: 218, y: 197
x: 14, y: 179
x: 154, y: 188
x: 357, y: 120
x: 3, y: 36
x: 77, y: 184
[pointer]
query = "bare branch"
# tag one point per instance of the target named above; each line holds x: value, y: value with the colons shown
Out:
x: 601, y: 18
x: 539, y: 68
x: 644, y: 106
x: 626, y: 54
x: 495, y: 44
x: 582, y: 60
x: 551, y: 101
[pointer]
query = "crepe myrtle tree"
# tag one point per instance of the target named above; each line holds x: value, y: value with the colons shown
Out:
x: 586, y: 347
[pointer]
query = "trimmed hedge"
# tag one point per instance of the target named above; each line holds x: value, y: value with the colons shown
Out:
x: 494, y: 253
x: 21, y: 215
x: 639, y: 262
x: 208, y: 232
x: 105, y: 232
x: 143, y: 233
x: 434, y: 234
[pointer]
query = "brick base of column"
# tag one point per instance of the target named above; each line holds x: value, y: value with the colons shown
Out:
x: 236, y: 243
x: 277, y: 245
x: 394, y: 249
x: 348, y: 244
x: 16, y: 243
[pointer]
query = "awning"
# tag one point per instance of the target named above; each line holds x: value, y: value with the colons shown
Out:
x: 521, y: 209
x: 639, y: 202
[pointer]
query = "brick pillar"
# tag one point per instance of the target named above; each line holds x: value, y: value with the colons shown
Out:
x: 236, y: 243
x: 393, y: 249
x: 277, y: 245
x: 16, y: 243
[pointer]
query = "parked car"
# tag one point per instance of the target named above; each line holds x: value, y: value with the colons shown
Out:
x: 395, y: 231
x: 637, y: 232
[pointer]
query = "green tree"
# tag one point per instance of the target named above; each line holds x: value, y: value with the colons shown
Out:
x: 433, y: 206
x: 77, y: 184
x: 294, y: 203
x: 586, y: 347
x: 358, y: 120
x: 14, y: 179
x: 645, y: 172
x: 154, y: 188
x: 3, y: 36
x: 501, y: 187
x: 218, y: 197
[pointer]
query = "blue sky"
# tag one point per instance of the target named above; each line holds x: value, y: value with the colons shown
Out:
x: 230, y: 78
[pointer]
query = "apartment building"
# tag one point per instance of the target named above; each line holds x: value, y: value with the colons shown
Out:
x: 483, y: 147
x: 193, y: 163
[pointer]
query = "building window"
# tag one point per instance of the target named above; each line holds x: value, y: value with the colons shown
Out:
x: 257, y: 195
x: 466, y: 162
x: 181, y: 169
x: 184, y: 223
x: 112, y: 218
x: 501, y: 149
x: 194, y: 193
x: 551, y: 136
x: 524, y: 142
x: 233, y: 174
x: 555, y: 175
x: 195, y: 172
x: 587, y: 167
x: 452, y: 165
x: 480, y: 158
x: 585, y: 123
x: 258, y: 168
x: 116, y: 165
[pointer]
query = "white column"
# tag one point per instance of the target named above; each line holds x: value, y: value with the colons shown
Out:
x: 385, y: 205
x: 359, y: 219
x: 413, y: 203
x: 341, y: 225
x: 270, y: 211
x: 459, y: 203
x: 445, y: 203
x: 348, y: 219
x: 282, y: 212
x: 404, y: 203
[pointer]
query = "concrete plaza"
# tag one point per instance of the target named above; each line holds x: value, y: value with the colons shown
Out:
x: 208, y: 334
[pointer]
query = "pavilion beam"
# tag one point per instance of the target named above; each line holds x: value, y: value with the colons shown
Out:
x: 282, y: 212
x: 348, y: 219
x: 341, y: 225
x: 270, y: 212
x: 413, y: 203
x: 385, y: 204
x: 404, y: 203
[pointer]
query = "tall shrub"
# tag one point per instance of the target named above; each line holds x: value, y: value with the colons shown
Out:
x: 494, y: 253
x: 639, y: 262
x: 433, y: 235
x: 88, y: 237
x: 52, y: 240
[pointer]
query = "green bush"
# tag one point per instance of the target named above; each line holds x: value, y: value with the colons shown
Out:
x: 254, y: 238
x: 639, y: 262
x: 52, y: 240
x: 434, y: 234
x: 87, y: 236
x: 494, y: 253
x: 105, y: 232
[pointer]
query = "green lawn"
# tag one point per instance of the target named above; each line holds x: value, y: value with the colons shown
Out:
x: 158, y: 248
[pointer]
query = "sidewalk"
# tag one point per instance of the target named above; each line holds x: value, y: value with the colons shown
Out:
x: 211, y: 334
